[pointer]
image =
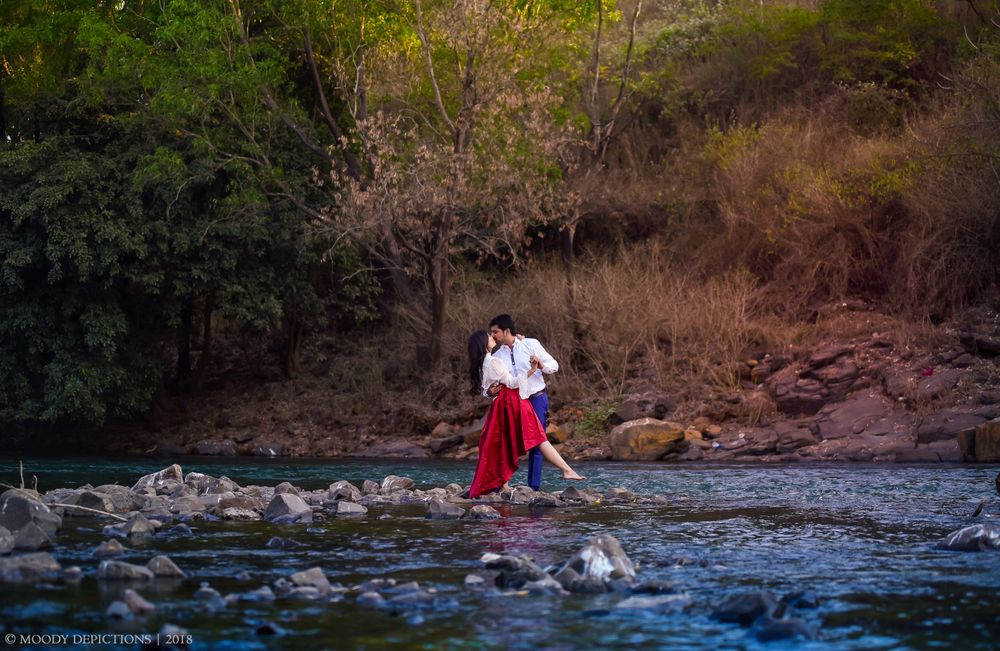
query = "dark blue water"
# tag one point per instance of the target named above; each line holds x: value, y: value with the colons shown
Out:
x: 859, y: 537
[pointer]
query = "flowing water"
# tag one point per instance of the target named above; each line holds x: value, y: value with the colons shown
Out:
x: 860, y: 538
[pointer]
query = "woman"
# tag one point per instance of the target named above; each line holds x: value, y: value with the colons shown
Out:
x: 511, y: 427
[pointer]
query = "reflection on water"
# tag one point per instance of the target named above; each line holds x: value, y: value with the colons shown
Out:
x: 858, y: 537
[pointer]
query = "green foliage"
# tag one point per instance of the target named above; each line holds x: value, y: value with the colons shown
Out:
x: 594, y: 422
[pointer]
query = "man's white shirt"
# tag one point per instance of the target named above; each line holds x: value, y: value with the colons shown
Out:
x: 523, y: 349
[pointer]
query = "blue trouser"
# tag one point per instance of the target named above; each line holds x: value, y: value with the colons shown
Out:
x: 540, y: 404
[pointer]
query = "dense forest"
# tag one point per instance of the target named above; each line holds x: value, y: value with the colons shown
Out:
x: 201, y: 196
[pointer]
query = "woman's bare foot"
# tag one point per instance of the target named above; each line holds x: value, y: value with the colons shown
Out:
x: 572, y: 474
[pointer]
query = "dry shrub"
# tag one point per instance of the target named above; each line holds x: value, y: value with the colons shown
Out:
x: 644, y: 315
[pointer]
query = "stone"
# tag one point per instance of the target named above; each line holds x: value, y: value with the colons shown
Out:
x: 438, y: 509
x: 619, y: 494
x: 343, y: 490
x: 94, y: 500
x: 558, y: 434
x: 919, y: 454
x: 161, y: 566
x: 934, y: 386
x: 350, y: 509
x: 392, y: 450
x: 626, y: 411
x: 850, y: 417
x: 236, y: 514
x: 645, y: 439
x: 828, y: 355
x: 31, y: 537
x: 544, y: 585
x: 514, y: 571
x: 285, y: 487
x: 217, y: 448
x: 768, y: 629
x: 574, y: 494
x: 229, y: 501
x: 136, y: 603
x: 975, y: 538
x: 369, y: 487
x: 393, y: 483
x: 20, y: 508
x: 946, y: 425
x: 28, y: 567
x: 288, y: 508
x: 482, y: 512
x: 269, y: 449
x: 155, y: 480
x: 791, y: 438
x: 542, y: 499
x: 118, y: 610
x: 137, y: 526
x: 6, y: 541
x: 947, y: 451
x: 760, y: 440
x: 210, y: 597
x: 439, y: 445
x: 661, y: 603
x: 314, y: 578
x: 979, y: 344
x: 987, y: 442
x: 601, y: 561
x: 109, y: 549
x: 371, y: 599
x: 208, y: 485
x: 122, y: 571
x: 744, y: 608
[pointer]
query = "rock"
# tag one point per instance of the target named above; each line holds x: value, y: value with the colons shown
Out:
x: 20, y: 508
x: 791, y: 438
x: 94, y: 500
x: 987, y: 442
x: 646, y: 439
x: 392, y: 449
x: 314, y: 578
x: 350, y: 509
x: 343, y: 490
x: 542, y: 499
x: 627, y: 411
x: 229, y: 501
x: 109, y: 549
x: 28, y: 567
x: 934, y: 386
x: 277, y: 542
x: 544, y: 585
x: 482, y: 512
x: 394, y: 483
x: 369, y: 487
x: 286, y: 508
x: 31, y: 537
x: 975, y: 538
x: 946, y: 424
x: 514, y: 571
x: 439, y: 445
x: 601, y: 561
x: 162, y: 567
x: 619, y: 494
x: 759, y: 440
x: 122, y: 571
x: 794, y: 395
x: 470, y: 433
x: 850, y: 417
x: 662, y: 603
x: 239, y: 515
x: 979, y: 344
x: 208, y: 485
x: 768, y: 629
x: 558, y: 434
x: 6, y: 541
x: 136, y: 603
x: 828, y: 355
x: 371, y: 599
x: 285, y: 488
x: 744, y: 608
x: 170, y: 474
x: 947, y: 451
x: 210, y: 597
x: 474, y: 581
x: 217, y: 448
x: 269, y: 449
x: 118, y: 610
x: 438, y: 509
x: 137, y: 526
x: 574, y: 494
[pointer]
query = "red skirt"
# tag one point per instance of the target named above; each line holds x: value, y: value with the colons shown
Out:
x: 511, y: 429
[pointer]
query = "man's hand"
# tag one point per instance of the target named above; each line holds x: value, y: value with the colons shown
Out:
x: 493, y: 390
x: 537, y: 363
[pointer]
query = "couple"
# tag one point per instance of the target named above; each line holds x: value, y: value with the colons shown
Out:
x: 509, y: 369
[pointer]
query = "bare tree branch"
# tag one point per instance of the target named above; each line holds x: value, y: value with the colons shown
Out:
x: 430, y: 67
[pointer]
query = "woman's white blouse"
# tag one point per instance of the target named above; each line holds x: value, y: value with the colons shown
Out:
x: 496, y: 370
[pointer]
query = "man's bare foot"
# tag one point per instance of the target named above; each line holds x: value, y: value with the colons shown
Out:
x: 572, y: 474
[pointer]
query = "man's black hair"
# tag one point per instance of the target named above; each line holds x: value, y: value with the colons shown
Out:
x: 504, y: 322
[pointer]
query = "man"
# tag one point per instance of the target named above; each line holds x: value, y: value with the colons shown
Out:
x: 519, y: 353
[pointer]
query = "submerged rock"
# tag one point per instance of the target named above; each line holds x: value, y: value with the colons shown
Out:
x: 313, y: 578
x: 978, y: 537
x: 660, y: 603
x: 109, y: 549
x: 768, y: 629
x: 514, y: 571
x: 162, y: 566
x: 6, y: 541
x: 122, y: 571
x: 28, y: 567
x: 744, y: 608
x: 482, y: 512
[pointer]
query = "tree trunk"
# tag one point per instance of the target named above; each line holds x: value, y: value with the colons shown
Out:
x: 184, y: 344
x: 206, y: 340
x: 567, y: 236
x: 291, y: 364
x: 439, y: 281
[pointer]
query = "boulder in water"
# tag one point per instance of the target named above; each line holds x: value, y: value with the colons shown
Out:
x: 975, y: 538
x: 744, y: 608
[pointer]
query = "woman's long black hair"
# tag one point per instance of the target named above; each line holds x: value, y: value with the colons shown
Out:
x: 478, y: 342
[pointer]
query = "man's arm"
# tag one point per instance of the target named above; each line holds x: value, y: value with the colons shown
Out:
x: 546, y: 362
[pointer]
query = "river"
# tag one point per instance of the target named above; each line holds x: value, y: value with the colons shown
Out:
x: 860, y: 538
